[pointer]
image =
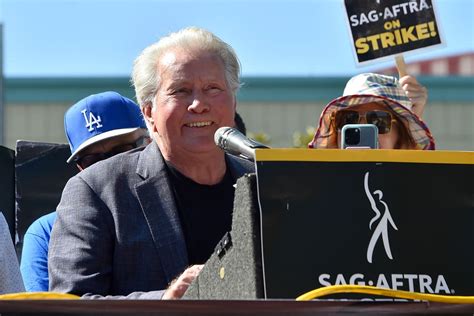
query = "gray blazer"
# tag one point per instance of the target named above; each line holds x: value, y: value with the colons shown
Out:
x: 118, y: 232
x: 10, y: 277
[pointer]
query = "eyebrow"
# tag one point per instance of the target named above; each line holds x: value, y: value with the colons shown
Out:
x: 177, y: 83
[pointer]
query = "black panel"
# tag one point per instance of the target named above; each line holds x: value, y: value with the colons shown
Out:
x: 318, y: 221
x: 41, y: 174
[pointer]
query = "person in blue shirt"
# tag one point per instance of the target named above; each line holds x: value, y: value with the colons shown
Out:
x: 97, y: 127
x: 34, y: 258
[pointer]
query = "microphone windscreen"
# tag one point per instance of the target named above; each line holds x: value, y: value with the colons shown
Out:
x: 218, y: 135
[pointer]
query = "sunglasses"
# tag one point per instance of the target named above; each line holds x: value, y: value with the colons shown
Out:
x: 381, y: 119
x: 90, y: 159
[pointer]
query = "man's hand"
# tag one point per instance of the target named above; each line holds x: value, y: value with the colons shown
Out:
x: 179, y: 286
x: 417, y: 93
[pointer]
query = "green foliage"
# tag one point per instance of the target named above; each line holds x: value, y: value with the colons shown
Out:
x: 260, y: 137
x: 301, y: 140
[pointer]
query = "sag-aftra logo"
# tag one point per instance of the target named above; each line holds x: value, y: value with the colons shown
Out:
x: 383, y: 227
x: 381, y: 230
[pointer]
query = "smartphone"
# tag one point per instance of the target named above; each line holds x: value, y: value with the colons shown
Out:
x: 359, y: 136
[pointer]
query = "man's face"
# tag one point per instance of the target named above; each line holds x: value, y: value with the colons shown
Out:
x: 192, y: 102
x: 107, y: 148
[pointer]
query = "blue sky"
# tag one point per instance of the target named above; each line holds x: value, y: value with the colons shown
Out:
x: 271, y: 37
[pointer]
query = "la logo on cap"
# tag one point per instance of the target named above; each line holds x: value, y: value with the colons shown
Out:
x: 92, y: 120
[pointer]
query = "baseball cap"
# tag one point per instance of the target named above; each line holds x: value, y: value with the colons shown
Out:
x: 98, y: 117
x: 367, y: 88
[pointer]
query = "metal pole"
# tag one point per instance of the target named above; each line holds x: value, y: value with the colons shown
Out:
x: 2, y: 97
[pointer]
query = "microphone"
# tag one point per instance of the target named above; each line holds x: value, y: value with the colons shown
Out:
x: 235, y: 143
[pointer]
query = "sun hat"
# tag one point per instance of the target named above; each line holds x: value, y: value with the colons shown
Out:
x: 367, y: 88
x: 98, y: 117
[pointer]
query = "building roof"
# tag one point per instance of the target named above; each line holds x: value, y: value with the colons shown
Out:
x: 254, y: 89
x: 457, y: 65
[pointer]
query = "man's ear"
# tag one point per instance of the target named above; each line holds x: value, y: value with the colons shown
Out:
x: 235, y: 103
x: 147, y: 113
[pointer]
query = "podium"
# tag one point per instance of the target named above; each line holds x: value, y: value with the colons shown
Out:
x: 234, y: 271
x: 223, y: 308
x: 312, y: 218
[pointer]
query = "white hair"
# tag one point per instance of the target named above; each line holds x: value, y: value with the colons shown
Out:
x: 145, y: 76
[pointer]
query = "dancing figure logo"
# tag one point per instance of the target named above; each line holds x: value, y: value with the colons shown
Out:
x: 381, y: 230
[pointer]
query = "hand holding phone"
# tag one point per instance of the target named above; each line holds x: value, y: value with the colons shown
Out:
x: 359, y: 136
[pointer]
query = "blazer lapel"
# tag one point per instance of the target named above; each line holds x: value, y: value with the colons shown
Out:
x: 158, y: 205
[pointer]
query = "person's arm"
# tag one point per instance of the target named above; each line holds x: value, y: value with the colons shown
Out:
x: 175, y: 291
x: 82, y: 245
x: 34, y: 260
x: 152, y: 295
x: 417, y: 93
x: 10, y: 277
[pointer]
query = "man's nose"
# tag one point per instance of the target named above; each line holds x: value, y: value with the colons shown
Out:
x: 199, y: 103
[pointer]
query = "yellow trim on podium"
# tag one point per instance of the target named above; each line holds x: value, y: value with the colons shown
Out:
x: 364, y: 289
x: 39, y: 296
x: 366, y: 155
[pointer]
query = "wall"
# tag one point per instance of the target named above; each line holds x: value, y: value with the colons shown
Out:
x: 276, y: 106
x: 37, y: 122
x: 451, y: 124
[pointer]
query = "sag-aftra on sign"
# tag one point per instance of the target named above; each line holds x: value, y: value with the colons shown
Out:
x: 385, y: 28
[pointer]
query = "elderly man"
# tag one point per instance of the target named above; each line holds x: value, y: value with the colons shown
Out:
x: 130, y: 225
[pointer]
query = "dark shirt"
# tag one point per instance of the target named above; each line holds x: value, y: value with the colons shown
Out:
x: 205, y: 212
